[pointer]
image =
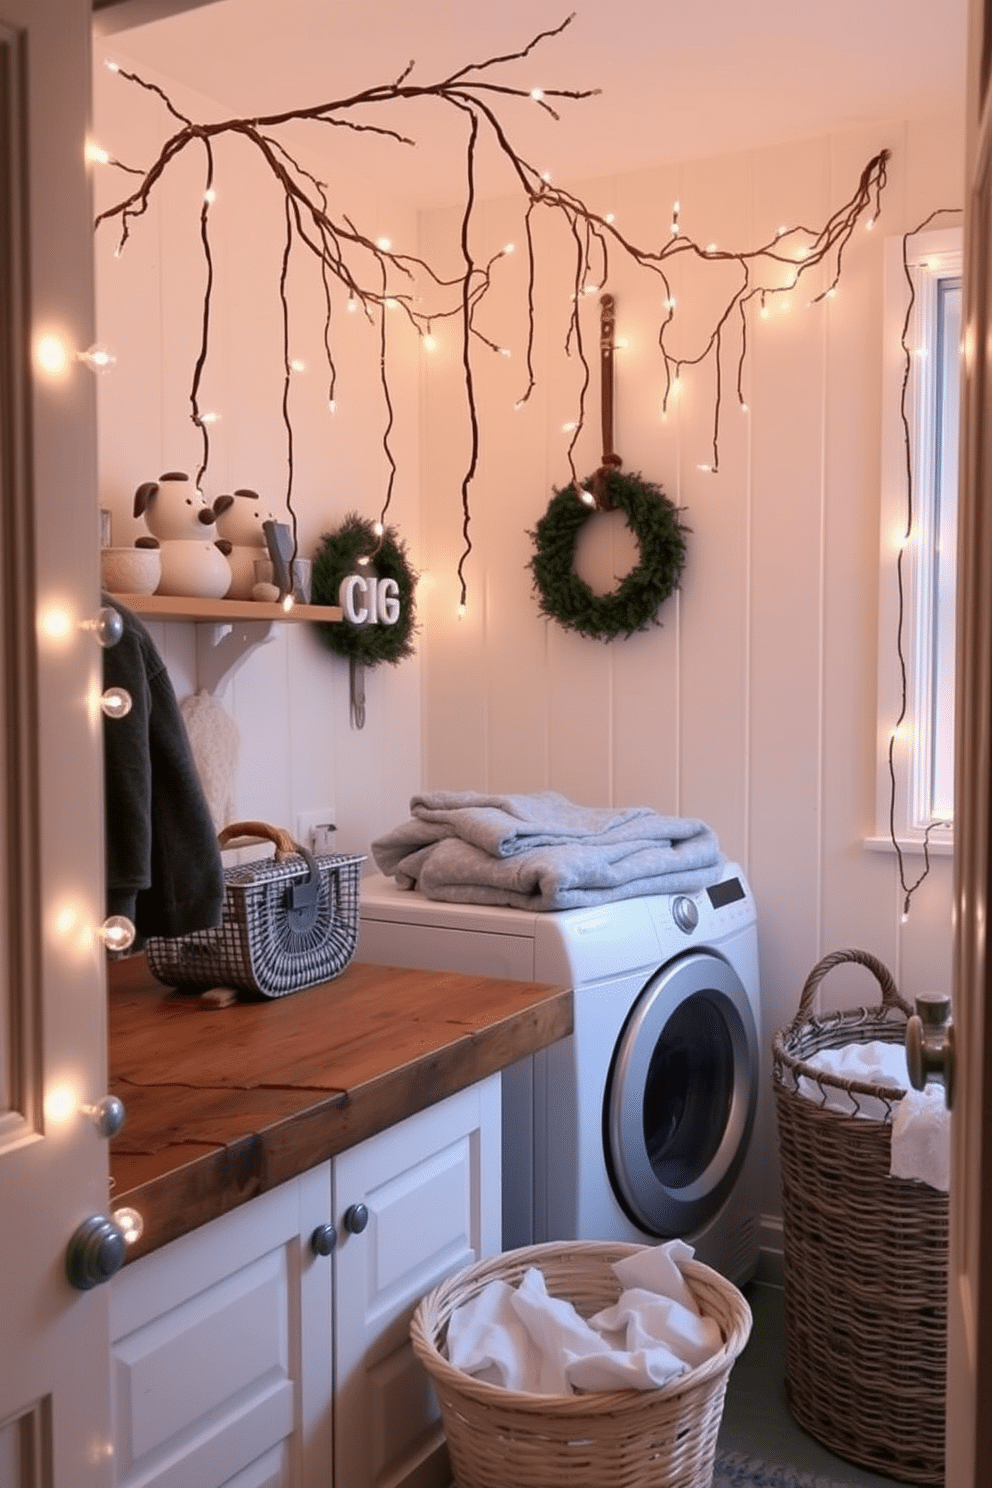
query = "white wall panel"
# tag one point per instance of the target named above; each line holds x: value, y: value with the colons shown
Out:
x: 754, y: 706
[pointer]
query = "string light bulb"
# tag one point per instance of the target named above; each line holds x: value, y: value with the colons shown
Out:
x: 129, y: 1222
x: 116, y: 702
x: 117, y: 933
x: 52, y: 355
x: 60, y: 1104
x: 97, y: 358
x: 55, y: 623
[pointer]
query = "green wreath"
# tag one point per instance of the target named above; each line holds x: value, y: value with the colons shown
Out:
x: 633, y: 605
x: 336, y: 557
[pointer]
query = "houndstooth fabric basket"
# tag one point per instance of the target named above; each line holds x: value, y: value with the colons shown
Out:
x: 288, y: 923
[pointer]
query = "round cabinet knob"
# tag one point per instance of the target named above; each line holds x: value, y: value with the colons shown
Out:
x: 323, y: 1239
x: 685, y: 913
x: 95, y: 1253
x: 356, y: 1217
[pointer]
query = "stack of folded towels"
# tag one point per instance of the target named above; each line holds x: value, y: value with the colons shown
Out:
x: 527, y: 1341
x: 544, y: 852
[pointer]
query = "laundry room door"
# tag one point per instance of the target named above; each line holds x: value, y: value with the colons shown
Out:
x: 54, y: 1340
x: 969, y: 1421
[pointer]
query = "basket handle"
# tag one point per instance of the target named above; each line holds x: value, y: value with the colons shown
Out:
x: 286, y: 846
x: 890, y: 993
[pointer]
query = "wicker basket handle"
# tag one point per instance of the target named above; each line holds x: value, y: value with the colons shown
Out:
x: 890, y: 993
x: 286, y: 846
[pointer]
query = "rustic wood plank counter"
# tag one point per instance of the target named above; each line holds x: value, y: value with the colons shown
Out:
x: 223, y: 1104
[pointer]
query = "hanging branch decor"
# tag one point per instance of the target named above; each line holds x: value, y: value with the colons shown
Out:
x: 374, y: 277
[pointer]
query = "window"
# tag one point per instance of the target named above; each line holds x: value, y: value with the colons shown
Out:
x: 921, y: 384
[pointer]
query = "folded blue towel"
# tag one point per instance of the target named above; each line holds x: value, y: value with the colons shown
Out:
x: 543, y: 851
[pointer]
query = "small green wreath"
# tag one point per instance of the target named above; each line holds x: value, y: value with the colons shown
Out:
x: 633, y: 605
x: 338, y: 556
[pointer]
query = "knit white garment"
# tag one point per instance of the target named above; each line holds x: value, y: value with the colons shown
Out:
x: 214, y: 739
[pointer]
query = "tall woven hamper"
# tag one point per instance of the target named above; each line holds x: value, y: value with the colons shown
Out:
x: 664, y: 1438
x: 865, y: 1254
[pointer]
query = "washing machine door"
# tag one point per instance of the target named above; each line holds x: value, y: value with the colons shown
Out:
x: 681, y: 1097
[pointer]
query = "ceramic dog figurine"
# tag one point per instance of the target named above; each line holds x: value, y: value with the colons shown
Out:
x: 240, y: 521
x: 182, y: 527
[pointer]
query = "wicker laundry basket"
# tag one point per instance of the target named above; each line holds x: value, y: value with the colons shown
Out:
x: 664, y: 1438
x: 865, y: 1254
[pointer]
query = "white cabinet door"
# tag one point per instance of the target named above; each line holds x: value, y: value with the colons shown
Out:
x: 431, y: 1189
x: 220, y: 1354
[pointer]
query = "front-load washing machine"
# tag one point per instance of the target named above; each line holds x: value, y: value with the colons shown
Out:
x: 638, y: 1125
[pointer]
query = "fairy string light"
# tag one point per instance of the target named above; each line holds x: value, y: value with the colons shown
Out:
x: 908, y: 890
x: 375, y: 278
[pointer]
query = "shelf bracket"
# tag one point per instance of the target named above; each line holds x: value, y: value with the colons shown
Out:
x: 222, y: 647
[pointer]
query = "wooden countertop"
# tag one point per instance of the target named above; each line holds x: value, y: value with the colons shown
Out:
x: 223, y: 1104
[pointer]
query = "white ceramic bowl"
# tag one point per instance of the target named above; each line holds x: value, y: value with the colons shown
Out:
x: 130, y: 570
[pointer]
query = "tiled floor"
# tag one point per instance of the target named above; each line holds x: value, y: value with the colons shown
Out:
x: 756, y: 1419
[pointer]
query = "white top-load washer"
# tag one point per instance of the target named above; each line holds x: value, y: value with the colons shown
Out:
x: 638, y: 1125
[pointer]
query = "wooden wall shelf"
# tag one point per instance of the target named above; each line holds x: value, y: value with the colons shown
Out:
x: 227, y: 630
x: 222, y: 611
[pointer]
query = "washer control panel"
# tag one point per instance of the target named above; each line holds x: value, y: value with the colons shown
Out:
x: 685, y: 913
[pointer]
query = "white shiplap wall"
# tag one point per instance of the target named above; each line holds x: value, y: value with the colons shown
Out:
x: 753, y: 706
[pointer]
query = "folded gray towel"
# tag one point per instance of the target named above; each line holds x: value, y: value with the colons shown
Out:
x: 543, y: 851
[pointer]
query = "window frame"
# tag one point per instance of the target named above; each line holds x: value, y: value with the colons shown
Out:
x: 932, y: 257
